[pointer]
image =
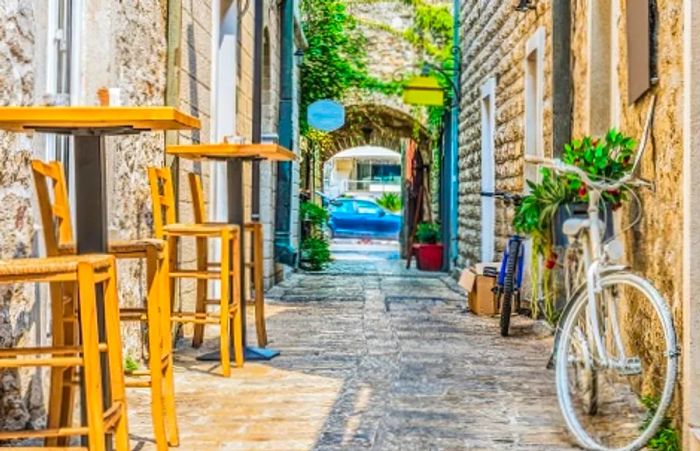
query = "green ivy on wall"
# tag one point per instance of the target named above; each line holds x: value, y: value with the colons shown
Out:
x: 336, y: 59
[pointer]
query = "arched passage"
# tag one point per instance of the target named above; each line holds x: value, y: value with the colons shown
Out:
x: 380, y: 126
x: 387, y: 127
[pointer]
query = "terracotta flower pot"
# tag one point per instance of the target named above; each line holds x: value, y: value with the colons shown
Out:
x: 429, y: 256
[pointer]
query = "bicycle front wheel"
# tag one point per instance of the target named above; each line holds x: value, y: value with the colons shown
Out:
x: 626, y: 345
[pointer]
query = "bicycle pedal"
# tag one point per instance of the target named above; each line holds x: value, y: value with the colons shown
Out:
x: 631, y: 367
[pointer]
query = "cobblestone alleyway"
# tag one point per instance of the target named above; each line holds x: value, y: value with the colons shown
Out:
x: 383, y: 362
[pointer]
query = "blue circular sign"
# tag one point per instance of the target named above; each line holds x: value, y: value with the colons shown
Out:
x: 326, y: 115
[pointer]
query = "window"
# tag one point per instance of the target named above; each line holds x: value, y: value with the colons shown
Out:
x: 642, y: 30
x: 382, y: 172
x: 342, y: 207
x: 367, y: 208
x: 534, y: 100
x: 60, y: 58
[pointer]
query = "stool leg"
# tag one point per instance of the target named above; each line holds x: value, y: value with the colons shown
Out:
x: 172, y: 264
x: 202, y: 284
x: 91, y: 357
x: 224, y: 316
x: 115, y: 358
x: 62, y: 390
x: 155, y: 346
x: 236, y: 303
x: 258, y: 285
x: 167, y: 353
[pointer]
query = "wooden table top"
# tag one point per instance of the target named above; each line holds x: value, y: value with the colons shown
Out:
x: 272, y: 152
x: 67, y: 119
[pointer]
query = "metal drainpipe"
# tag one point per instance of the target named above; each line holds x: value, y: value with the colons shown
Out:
x: 284, y: 251
x: 257, y: 101
x: 453, y: 250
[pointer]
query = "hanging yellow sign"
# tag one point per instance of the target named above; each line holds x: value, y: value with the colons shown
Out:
x: 423, y: 91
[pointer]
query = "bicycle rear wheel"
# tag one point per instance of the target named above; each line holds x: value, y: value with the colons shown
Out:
x: 509, y: 285
x: 635, y: 373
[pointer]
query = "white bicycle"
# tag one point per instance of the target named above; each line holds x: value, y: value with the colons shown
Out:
x: 615, y: 350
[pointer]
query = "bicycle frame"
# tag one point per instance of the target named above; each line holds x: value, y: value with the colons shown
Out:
x: 596, y: 263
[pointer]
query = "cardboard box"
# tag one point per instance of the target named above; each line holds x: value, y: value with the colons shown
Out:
x: 481, y: 299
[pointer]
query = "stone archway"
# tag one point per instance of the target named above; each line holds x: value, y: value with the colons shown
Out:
x: 381, y: 126
x: 373, y: 124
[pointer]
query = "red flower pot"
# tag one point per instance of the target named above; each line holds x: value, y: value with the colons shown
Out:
x: 429, y: 256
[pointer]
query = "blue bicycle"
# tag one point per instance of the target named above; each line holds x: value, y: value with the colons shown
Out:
x: 510, y: 275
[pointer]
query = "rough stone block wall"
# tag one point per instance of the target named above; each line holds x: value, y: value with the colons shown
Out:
x: 655, y: 246
x: 382, y: 23
x: 21, y: 394
x: 493, y: 40
x: 268, y: 170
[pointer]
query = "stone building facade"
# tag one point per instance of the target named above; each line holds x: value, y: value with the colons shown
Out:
x: 156, y: 52
x: 495, y: 122
x: 497, y: 44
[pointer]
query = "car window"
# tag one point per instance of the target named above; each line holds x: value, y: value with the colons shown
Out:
x: 342, y: 207
x: 367, y: 208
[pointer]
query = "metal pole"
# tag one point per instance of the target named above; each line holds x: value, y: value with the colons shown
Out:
x: 92, y: 234
x: 284, y: 252
x: 257, y: 101
x: 454, y: 148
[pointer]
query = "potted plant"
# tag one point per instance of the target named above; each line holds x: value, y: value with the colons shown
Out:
x: 315, y: 248
x: 556, y: 197
x: 428, y: 249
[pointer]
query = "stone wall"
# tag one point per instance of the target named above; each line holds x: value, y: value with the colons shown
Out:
x: 493, y: 40
x: 21, y: 398
x: 382, y: 23
x: 655, y: 246
x: 270, y: 125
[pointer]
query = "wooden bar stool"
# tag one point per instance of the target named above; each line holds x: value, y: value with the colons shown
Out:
x: 255, y: 229
x: 163, y: 198
x: 85, y: 273
x: 49, y: 179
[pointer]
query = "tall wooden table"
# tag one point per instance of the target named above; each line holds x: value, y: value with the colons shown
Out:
x: 89, y: 126
x: 234, y: 155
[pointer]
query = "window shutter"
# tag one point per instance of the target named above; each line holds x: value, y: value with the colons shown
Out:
x: 638, y: 49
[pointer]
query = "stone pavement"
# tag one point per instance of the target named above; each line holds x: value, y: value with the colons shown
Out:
x: 383, y: 362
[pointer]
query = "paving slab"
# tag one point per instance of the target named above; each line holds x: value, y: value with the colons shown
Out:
x: 380, y: 361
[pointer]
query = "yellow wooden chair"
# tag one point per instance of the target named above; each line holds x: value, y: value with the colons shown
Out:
x: 163, y: 197
x: 83, y: 274
x: 49, y: 179
x: 255, y: 230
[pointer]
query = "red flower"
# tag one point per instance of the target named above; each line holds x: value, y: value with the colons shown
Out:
x: 582, y: 191
x: 551, y: 260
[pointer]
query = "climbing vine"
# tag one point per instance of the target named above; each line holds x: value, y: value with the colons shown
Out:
x: 336, y: 59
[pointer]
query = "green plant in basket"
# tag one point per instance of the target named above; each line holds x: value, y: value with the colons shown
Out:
x: 428, y: 233
x: 608, y: 158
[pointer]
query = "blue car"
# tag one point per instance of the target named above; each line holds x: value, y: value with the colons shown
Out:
x: 359, y: 218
